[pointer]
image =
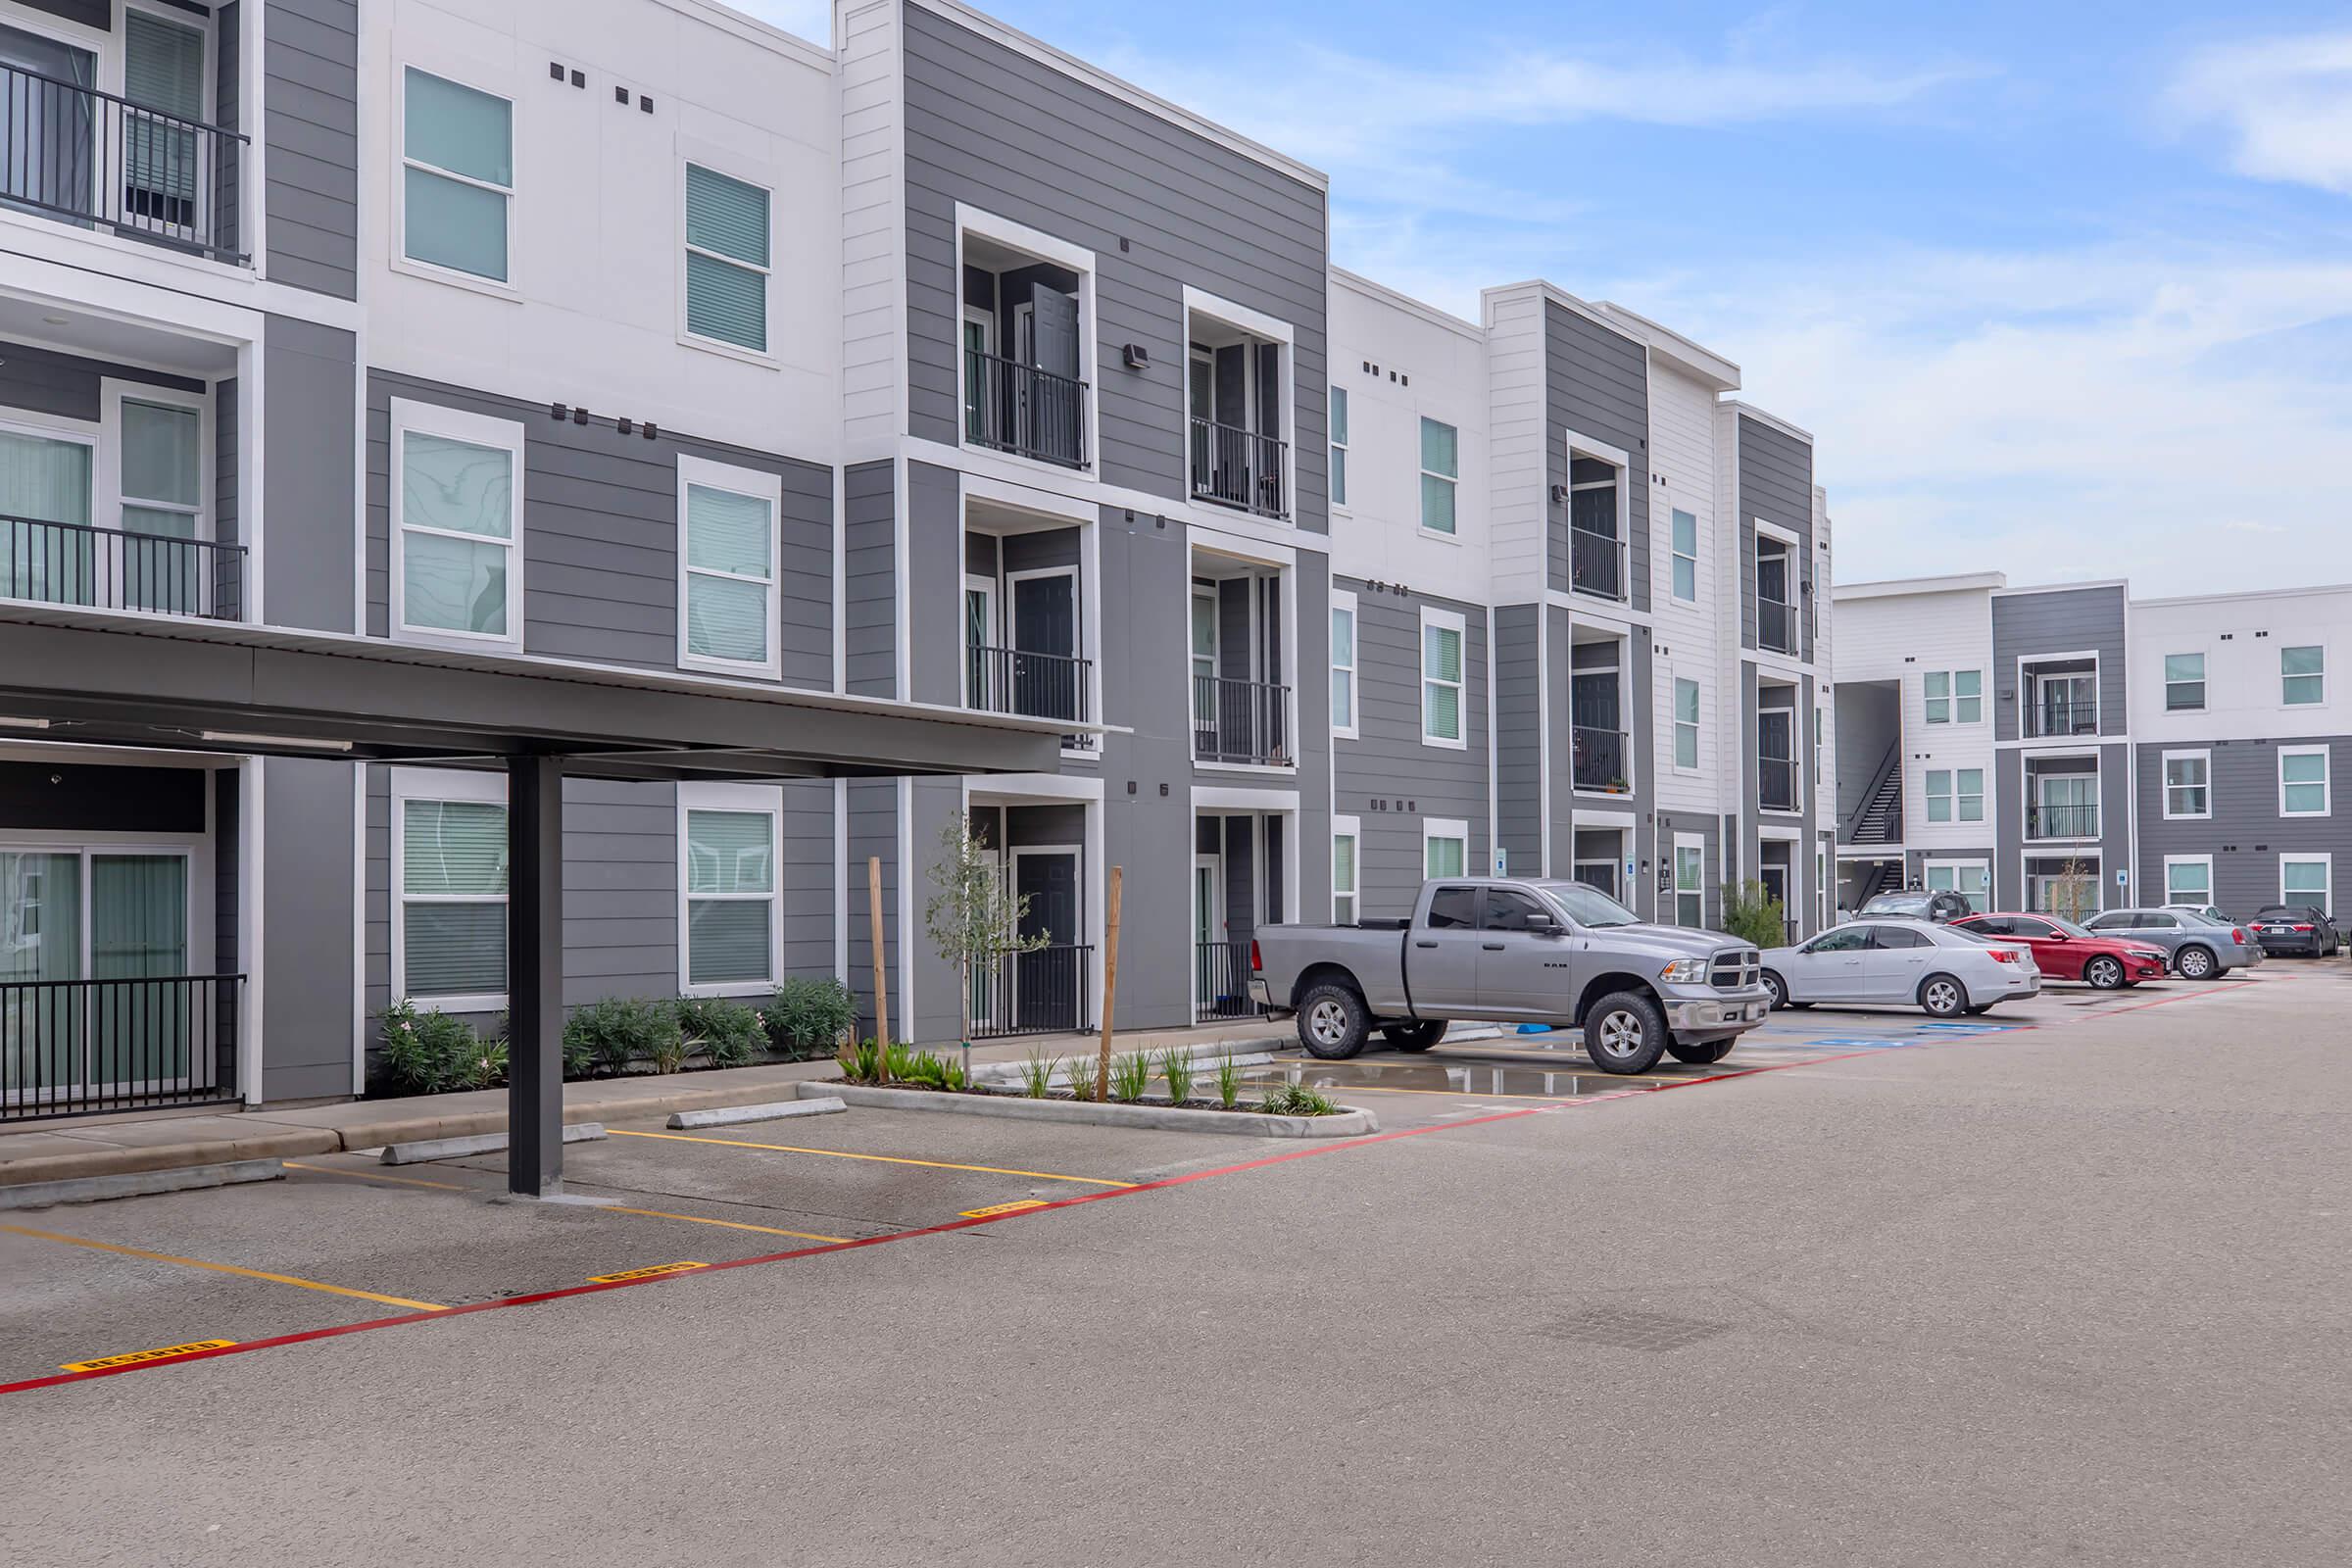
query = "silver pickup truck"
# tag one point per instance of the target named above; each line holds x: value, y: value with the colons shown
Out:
x: 1493, y: 950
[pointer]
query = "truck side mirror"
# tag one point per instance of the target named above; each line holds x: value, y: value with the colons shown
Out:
x: 1544, y: 925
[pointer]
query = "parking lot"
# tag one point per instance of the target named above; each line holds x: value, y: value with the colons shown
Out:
x: 344, y: 1241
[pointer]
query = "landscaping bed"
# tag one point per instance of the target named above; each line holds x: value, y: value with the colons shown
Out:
x: 1197, y: 1117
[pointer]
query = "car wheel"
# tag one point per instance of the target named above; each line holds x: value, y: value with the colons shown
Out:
x: 1700, y: 1055
x: 2194, y: 963
x: 1332, y: 1022
x: 1624, y: 1032
x: 1414, y: 1036
x: 2104, y: 973
x: 1978, y: 1008
x: 1942, y: 997
x: 1779, y: 989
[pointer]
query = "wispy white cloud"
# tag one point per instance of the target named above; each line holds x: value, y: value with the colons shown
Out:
x: 2285, y: 102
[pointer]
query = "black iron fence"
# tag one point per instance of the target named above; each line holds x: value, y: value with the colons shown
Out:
x: 1221, y: 981
x: 115, y: 569
x: 1597, y: 758
x: 2062, y: 821
x: 1776, y: 625
x: 1013, y: 680
x: 75, y: 1047
x: 1239, y: 721
x: 1012, y: 407
x: 1238, y: 467
x: 2063, y: 715
x: 96, y: 159
x: 1776, y: 783
x: 1595, y: 561
x: 1046, y: 990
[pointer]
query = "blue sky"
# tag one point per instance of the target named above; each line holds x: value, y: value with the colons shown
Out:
x: 2062, y: 289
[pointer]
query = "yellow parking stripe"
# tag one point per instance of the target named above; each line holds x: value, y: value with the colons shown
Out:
x: 371, y: 1176
x: 655, y: 1213
x: 886, y: 1159
x: 224, y: 1268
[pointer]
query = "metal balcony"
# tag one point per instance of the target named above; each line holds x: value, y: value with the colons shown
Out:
x: 97, y: 161
x: 1237, y: 467
x: 117, y: 568
x: 1011, y: 407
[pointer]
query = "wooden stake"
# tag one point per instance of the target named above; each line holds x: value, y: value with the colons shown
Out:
x: 1110, y: 983
x: 873, y: 904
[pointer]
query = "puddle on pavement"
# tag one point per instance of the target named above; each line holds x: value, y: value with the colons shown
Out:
x: 1472, y: 1080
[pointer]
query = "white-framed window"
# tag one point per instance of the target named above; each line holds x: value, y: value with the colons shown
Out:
x: 154, y: 451
x: 1971, y: 880
x: 1685, y: 555
x: 2189, y: 879
x: 1954, y: 696
x: 1339, y: 446
x: 456, y: 571
x: 2302, y: 675
x: 2308, y: 879
x: 1441, y: 467
x: 2302, y: 781
x: 456, y: 146
x: 449, y: 889
x: 1342, y: 662
x: 730, y: 524
x: 730, y: 927
x: 2187, y: 784
x: 1346, y: 876
x: 1445, y: 847
x: 2183, y: 683
x: 1689, y: 880
x: 726, y: 258
x: 1821, y: 730
x: 1686, y: 724
x: 1443, y: 635
x: 1955, y: 795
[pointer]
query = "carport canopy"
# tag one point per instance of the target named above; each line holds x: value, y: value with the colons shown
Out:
x: 110, y: 679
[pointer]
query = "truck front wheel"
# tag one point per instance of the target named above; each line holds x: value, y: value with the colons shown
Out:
x: 1701, y: 1052
x: 1414, y: 1036
x: 1332, y: 1022
x: 1625, y: 1033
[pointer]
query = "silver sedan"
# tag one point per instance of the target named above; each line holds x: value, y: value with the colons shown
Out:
x: 2196, y: 947
x: 1944, y: 972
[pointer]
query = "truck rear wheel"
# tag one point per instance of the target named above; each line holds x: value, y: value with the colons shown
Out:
x: 1625, y: 1033
x: 1414, y: 1036
x: 1701, y: 1052
x: 1332, y: 1022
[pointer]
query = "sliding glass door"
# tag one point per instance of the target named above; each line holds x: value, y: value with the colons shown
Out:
x: 93, y: 944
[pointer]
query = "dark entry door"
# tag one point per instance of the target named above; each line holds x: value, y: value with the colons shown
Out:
x: 1046, y: 983
x: 1044, y: 641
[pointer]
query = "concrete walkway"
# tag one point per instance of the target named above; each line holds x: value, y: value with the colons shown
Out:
x: 184, y: 1140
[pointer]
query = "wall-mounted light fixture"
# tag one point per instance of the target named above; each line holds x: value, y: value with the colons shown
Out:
x: 1137, y: 355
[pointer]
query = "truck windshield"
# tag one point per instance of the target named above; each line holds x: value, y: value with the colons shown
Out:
x: 1589, y: 905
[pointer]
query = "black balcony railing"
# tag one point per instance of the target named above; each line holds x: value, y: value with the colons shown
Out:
x: 2062, y: 821
x: 1241, y: 722
x: 1776, y: 625
x: 1776, y: 783
x: 1596, y: 563
x: 99, y: 161
x: 1238, y: 467
x: 1046, y: 990
x: 1012, y: 680
x: 2056, y: 714
x: 1013, y: 407
x: 1597, y: 758
x: 1221, y: 981
x: 114, y: 568
x: 71, y: 1048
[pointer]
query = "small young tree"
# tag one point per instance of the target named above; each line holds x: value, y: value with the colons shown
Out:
x: 1752, y: 915
x: 972, y: 916
x: 2076, y: 894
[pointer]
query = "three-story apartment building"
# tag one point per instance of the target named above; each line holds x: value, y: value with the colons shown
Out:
x: 504, y: 507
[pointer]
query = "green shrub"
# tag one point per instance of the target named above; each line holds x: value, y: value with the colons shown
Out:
x: 1082, y: 1073
x: 1297, y: 1100
x: 730, y: 1034
x: 428, y: 1051
x: 1229, y: 1082
x: 810, y: 1017
x: 1176, y: 1066
x: 861, y: 1060
x: 607, y: 1037
x: 1755, y: 917
x: 1130, y: 1077
x: 898, y: 1061
x: 485, y: 1066
x: 1037, y: 1075
x: 933, y: 1070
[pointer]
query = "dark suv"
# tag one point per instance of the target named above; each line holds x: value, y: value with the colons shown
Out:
x: 1916, y: 905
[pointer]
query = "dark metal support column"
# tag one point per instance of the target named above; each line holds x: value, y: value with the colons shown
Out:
x: 535, y: 975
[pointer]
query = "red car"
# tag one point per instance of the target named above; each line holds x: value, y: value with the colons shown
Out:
x: 2064, y: 951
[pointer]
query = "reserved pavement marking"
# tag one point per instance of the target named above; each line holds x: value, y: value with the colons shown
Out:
x: 652, y: 1272
x: 1013, y: 1207
x: 106, y: 1363
x: 886, y: 1159
x: 224, y: 1268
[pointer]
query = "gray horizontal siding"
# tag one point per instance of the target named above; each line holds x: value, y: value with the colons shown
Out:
x: 935, y: 584
x: 869, y: 553
x: 1776, y: 483
x: 1519, y: 737
x: 310, y: 88
x: 873, y: 833
x: 307, y: 390
x: 1160, y: 207
x: 2246, y: 834
x: 45, y: 381
x: 1596, y: 383
x: 1387, y: 777
x: 601, y: 535
x: 2072, y: 620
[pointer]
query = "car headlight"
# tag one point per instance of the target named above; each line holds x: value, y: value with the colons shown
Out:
x: 1685, y: 973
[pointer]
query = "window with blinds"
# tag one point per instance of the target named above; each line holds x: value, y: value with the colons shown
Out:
x: 726, y: 260
x: 730, y: 575
x: 457, y: 175
x: 453, y: 899
x: 163, y: 70
x: 730, y: 897
x: 1441, y: 467
x: 1441, y: 678
x: 1342, y: 879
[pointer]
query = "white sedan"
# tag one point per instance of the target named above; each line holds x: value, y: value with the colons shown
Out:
x: 1902, y: 963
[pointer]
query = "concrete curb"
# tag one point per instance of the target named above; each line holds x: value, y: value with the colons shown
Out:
x: 1349, y: 1124
x: 777, y: 1111
x: 138, y: 1182
x: 431, y: 1149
